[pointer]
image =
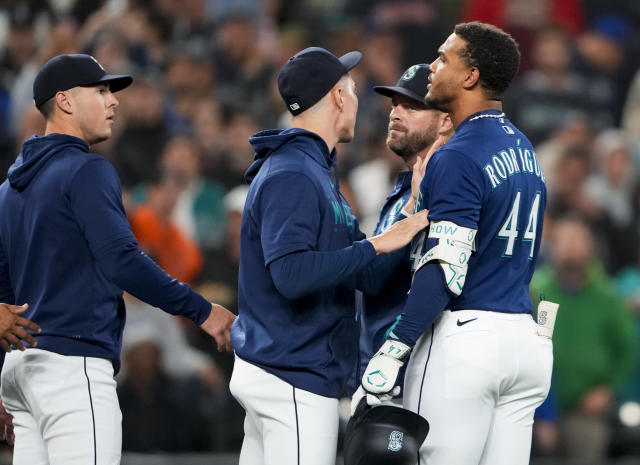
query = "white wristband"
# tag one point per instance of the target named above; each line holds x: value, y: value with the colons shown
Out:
x: 394, y: 349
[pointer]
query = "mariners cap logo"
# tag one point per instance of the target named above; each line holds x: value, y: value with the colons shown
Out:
x: 395, y: 441
x: 410, y: 73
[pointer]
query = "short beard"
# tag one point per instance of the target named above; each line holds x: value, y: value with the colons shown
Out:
x: 443, y: 103
x: 411, y: 144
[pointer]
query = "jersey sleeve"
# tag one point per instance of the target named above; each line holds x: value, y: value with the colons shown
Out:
x: 288, y: 215
x: 452, y: 187
x: 96, y: 203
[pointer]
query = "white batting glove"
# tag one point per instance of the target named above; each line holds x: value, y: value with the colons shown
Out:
x: 371, y: 398
x: 381, y: 374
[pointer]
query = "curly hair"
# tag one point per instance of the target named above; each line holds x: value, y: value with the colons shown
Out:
x: 494, y: 52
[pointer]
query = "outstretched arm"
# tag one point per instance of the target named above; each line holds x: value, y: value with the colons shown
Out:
x: 301, y: 273
x: 96, y: 202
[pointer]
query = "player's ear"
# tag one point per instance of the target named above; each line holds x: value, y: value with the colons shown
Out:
x: 337, y: 96
x: 472, y: 78
x: 63, y: 101
x: 446, y: 124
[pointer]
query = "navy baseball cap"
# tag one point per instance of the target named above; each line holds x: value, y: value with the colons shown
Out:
x: 64, y: 72
x: 412, y: 84
x: 308, y: 75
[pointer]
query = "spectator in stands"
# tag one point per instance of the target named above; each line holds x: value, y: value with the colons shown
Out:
x: 238, y: 154
x: 198, y: 212
x: 523, y: 19
x: 611, y: 188
x: 603, y: 55
x: 243, y: 71
x: 159, y: 236
x: 158, y: 415
x: 139, y: 145
x: 543, y: 98
x: 593, y: 341
x: 569, y: 179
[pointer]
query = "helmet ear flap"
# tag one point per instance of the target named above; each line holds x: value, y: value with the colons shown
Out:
x: 383, y: 435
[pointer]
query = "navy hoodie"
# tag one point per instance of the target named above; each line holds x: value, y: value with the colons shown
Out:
x: 67, y: 249
x: 294, y: 209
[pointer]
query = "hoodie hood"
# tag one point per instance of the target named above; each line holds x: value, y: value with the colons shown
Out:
x: 267, y: 142
x: 36, y: 152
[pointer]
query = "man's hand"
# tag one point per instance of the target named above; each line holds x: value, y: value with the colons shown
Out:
x: 371, y: 398
x: 420, y: 167
x: 400, y: 234
x: 218, y: 325
x: 381, y: 375
x: 13, y: 327
x: 6, y: 425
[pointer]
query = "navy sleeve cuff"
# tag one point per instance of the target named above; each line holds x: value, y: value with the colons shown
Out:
x: 367, y: 248
x: 203, y: 307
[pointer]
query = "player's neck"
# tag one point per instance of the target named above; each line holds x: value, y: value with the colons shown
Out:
x: 318, y: 126
x: 60, y: 126
x: 421, y: 154
x: 462, y: 109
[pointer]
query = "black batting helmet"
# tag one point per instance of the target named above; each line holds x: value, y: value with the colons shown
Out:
x: 383, y: 435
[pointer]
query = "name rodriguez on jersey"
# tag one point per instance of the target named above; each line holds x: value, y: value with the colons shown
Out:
x: 512, y: 161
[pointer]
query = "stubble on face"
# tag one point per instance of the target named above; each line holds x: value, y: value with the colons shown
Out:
x: 442, y: 102
x: 445, y: 71
x: 406, y: 144
x: 440, y: 96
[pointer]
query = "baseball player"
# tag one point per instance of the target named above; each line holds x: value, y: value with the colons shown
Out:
x: 478, y: 367
x: 302, y: 257
x: 412, y: 132
x: 67, y: 249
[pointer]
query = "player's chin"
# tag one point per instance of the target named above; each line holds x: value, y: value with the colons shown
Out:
x: 395, y: 135
x: 428, y: 97
x: 438, y: 104
x: 346, y: 136
x: 104, y: 135
x: 396, y: 143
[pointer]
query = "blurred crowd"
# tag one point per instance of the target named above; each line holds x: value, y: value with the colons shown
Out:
x: 205, y: 80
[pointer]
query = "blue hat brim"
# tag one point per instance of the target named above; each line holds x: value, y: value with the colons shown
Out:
x: 390, y: 91
x: 116, y: 82
x: 351, y: 59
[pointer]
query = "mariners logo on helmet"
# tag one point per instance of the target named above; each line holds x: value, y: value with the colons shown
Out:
x: 395, y: 440
x: 383, y: 435
x: 410, y: 73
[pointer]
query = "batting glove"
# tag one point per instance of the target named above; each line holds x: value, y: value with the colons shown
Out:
x: 372, y: 399
x: 381, y: 374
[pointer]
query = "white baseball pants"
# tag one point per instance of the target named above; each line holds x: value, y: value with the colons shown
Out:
x: 283, y: 425
x: 65, y: 409
x: 477, y: 380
